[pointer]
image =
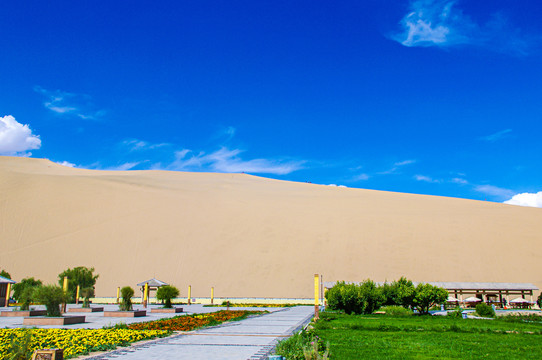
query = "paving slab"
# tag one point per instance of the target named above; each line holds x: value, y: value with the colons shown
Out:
x: 251, y: 339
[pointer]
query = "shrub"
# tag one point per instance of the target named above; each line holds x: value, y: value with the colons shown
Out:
x: 166, y: 293
x: 394, y: 310
x: 26, y: 297
x: 427, y: 295
x: 52, y: 296
x: 539, y: 300
x: 5, y: 274
x: 22, y: 285
x: 87, y: 293
x: 484, y: 310
x: 126, y: 303
x: 81, y: 276
x: 352, y: 298
x: 304, y: 345
x: 456, y: 314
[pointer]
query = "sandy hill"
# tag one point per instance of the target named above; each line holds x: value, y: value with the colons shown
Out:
x: 250, y: 236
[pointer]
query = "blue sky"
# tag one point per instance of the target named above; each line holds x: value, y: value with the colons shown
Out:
x: 428, y: 97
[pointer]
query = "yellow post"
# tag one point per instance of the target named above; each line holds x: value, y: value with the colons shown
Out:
x: 316, y: 296
x: 118, y: 294
x: 145, y: 295
x: 65, y: 289
x: 212, y: 295
x: 7, y: 294
x: 189, y: 293
x: 77, y: 295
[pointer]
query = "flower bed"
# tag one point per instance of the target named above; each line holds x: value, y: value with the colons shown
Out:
x: 191, y: 322
x: 75, y: 341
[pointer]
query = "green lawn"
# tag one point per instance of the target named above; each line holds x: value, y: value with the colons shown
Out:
x: 428, y: 337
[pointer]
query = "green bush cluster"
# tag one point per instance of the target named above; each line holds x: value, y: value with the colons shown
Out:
x: 52, y: 296
x: 367, y: 296
x: 484, y: 310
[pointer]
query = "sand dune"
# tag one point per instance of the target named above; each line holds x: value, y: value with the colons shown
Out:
x: 250, y: 236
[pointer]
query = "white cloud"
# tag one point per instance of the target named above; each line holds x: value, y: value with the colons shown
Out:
x: 65, y: 163
x: 361, y: 177
x: 405, y: 162
x: 494, y: 191
x: 65, y: 103
x: 125, y: 166
x: 526, y: 199
x: 229, y: 161
x: 497, y: 136
x: 16, y: 138
x: 459, y: 181
x: 440, y: 23
x: 426, y: 179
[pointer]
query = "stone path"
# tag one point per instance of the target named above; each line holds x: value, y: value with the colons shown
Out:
x: 250, y: 339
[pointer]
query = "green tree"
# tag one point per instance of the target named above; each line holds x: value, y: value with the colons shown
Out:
x: 126, y: 294
x: 51, y: 296
x: 404, y: 292
x: 166, y: 293
x: 427, y: 295
x: 81, y: 276
x: 371, y: 297
x: 19, y: 288
x: 26, y: 297
x: 5, y: 274
x: 539, y: 300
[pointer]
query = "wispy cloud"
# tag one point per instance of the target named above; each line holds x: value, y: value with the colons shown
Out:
x: 136, y: 145
x: 441, y: 23
x: 65, y: 163
x: 361, y: 177
x: 460, y: 181
x: 526, y: 199
x: 230, y: 161
x: 426, y: 179
x: 69, y: 104
x: 494, y: 191
x: 396, y: 166
x: 16, y: 138
x: 497, y: 136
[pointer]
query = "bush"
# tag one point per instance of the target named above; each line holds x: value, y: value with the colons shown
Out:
x: 484, y: 310
x: 126, y: 303
x: 166, y: 293
x: 5, y: 274
x: 400, y: 292
x: 87, y: 293
x: 394, y: 310
x: 26, y: 297
x: 81, y: 276
x: 456, y: 314
x: 22, y: 285
x: 304, y: 345
x: 352, y: 298
x: 427, y: 295
x: 51, y: 296
x: 539, y: 300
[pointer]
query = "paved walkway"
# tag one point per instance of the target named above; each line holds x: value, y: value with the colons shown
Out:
x: 250, y: 339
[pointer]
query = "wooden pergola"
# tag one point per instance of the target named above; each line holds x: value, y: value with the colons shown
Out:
x: 153, y: 284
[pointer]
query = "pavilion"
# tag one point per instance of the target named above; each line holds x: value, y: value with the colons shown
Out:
x: 3, y: 289
x: 153, y: 284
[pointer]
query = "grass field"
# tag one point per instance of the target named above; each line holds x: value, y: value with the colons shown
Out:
x: 429, y: 337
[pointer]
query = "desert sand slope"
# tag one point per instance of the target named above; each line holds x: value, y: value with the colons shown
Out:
x: 250, y: 236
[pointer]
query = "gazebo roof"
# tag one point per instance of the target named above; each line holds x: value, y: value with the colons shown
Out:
x: 4, y: 280
x: 153, y: 283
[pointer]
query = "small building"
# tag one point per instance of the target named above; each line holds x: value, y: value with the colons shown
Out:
x: 4, y: 288
x: 154, y: 284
